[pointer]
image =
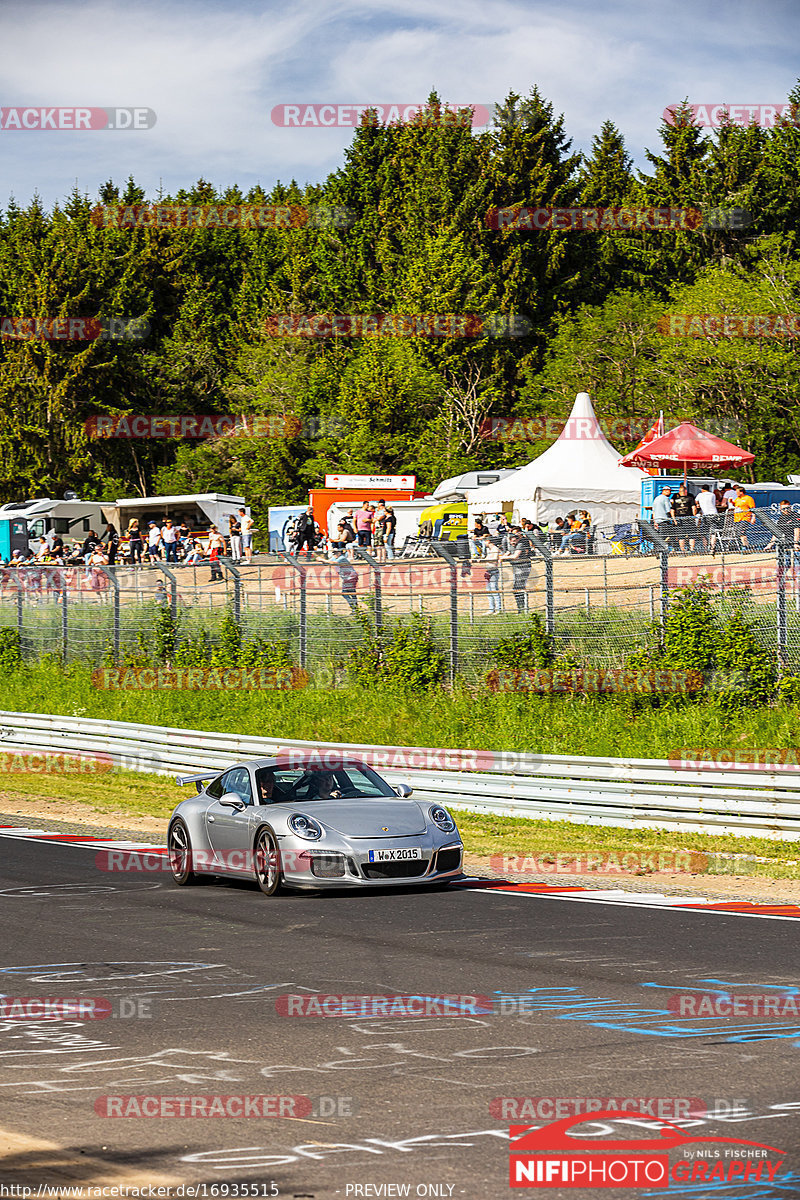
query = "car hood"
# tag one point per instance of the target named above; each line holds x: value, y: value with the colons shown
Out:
x: 368, y: 818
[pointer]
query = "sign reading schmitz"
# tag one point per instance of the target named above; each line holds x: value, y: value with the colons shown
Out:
x: 371, y: 481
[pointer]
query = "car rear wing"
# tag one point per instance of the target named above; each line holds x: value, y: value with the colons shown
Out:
x: 197, y: 780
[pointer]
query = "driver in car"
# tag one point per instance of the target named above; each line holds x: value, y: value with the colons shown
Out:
x: 266, y: 786
x: 324, y: 786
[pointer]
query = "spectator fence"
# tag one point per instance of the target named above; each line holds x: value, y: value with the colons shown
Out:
x: 597, y: 606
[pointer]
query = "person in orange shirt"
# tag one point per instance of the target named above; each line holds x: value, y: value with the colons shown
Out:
x: 743, y: 512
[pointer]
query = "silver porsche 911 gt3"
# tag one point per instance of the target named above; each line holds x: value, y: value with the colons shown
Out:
x: 287, y: 825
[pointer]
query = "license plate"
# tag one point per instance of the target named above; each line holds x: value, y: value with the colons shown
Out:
x: 395, y: 855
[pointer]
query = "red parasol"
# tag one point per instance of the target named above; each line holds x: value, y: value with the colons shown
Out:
x: 687, y: 446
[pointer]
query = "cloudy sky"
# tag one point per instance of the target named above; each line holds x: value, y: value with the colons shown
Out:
x: 213, y: 73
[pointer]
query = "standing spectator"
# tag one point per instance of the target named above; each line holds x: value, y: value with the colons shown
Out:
x: 307, y: 534
x: 111, y: 544
x: 662, y: 511
x: 743, y: 515
x: 490, y: 552
x: 235, y: 535
x: 788, y: 521
x: 169, y: 537
x: 364, y: 519
x: 216, y: 543
x: 350, y: 522
x: 291, y: 535
x: 705, y: 508
x: 719, y: 498
x: 153, y: 541
x: 391, y: 532
x: 519, y: 556
x: 246, y: 523
x: 682, y: 510
x: 729, y: 495
x: 379, y: 531
x: 349, y: 577
x: 135, y: 543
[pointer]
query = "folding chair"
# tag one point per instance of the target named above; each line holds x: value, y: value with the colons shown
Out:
x: 625, y: 541
x: 728, y: 535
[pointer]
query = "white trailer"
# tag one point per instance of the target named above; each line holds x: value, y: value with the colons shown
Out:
x: 200, y: 511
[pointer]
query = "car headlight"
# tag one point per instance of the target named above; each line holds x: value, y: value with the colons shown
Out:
x: 442, y: 819
x: 305, y: 827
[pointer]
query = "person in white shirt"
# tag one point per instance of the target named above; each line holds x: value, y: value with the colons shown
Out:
x: 169, y: 536
x: 153, y: 541
x: 729, y: 495
x: 246, y: 523
x: 705, y: 508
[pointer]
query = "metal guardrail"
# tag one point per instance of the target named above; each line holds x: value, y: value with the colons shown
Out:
x: 637, y: 793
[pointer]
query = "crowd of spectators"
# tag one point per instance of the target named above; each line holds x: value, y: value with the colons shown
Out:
x: 698, y: 521
x: 171, y: 543
x: 371, y: 527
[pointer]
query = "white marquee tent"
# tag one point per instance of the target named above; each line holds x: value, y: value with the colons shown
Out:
x: 580, y: 470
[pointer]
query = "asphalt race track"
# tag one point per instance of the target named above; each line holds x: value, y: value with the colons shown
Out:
x: 193, y: 976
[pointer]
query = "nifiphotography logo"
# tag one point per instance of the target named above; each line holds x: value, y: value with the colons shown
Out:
x: 552, y: 1157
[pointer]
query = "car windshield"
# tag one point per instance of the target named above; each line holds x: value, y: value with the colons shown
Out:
x: 289, y: 784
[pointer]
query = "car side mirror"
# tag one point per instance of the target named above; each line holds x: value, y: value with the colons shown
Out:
x: 404, y: 790
x: 232, y: 800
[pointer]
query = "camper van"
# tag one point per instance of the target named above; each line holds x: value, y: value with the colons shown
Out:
x: 71, y: 519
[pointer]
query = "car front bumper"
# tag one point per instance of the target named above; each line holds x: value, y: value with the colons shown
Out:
x: 346, y: 866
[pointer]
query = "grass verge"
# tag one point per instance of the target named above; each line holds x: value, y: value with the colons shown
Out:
x: 469, y: 719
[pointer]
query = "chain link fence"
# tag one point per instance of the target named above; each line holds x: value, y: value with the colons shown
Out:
x: 598, y: 602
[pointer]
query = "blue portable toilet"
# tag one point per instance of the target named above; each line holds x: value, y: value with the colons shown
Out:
x: 13, y: 536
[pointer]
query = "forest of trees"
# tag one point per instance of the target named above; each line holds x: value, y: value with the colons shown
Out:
x: 419, y: 243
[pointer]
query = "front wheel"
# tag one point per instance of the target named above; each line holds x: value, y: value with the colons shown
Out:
x: 179, y: 849
x: 267, y: 863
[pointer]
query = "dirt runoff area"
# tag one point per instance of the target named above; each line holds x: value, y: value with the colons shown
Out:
x: 67, y: 816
